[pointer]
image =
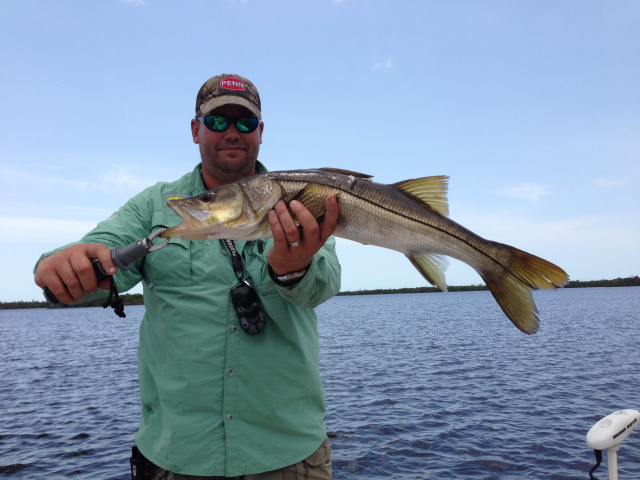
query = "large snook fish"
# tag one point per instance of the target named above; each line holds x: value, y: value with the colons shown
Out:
x: 408, y: 216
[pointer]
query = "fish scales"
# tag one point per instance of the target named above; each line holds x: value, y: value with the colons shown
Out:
x: 409, y: 217
x: 371, y: 212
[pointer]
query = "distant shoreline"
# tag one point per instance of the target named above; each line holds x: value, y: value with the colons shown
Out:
x: 137, y: 299
x: 618, y: 282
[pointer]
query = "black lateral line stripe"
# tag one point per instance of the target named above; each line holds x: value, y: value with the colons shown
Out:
x: 446, y: 232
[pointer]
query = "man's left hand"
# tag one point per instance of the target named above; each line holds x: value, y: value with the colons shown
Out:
x: 285, y: 258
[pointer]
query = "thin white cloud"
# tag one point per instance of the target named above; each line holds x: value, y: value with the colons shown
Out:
x: 135, y: 3
x: 526, y: 190
x: 35, y: 230
x: 17, y: 175
x: 117, y: 178
x: 384, y: 65
x: 605, y: 183
x: 122, y: 177
x: 513, y: 226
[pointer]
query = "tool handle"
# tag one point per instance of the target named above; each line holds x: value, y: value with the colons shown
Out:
x: 100, y: 275
x: 123, y: 257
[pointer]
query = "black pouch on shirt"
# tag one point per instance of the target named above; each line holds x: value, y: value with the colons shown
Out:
x: 245, y: 301
x: 140, y: 467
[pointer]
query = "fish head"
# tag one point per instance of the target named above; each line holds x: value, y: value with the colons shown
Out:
x: 237, y: 211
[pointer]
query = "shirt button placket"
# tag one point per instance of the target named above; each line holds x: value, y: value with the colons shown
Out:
x: 231, y: 373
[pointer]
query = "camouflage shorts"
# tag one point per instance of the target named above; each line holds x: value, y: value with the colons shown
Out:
x: 315, y: 467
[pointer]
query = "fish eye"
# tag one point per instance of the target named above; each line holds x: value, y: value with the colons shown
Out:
x: 206, y: 197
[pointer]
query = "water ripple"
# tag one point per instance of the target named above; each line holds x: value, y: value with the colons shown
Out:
x: 436, y: 386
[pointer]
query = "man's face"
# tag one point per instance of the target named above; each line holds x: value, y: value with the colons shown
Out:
x: 229, y: 155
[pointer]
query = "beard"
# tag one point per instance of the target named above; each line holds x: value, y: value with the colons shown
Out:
x: 229, y: 165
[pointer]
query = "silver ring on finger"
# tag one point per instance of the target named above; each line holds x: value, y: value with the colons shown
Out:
x: 296, y: 243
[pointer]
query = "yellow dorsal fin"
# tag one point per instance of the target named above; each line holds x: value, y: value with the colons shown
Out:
x: 432, y: 268
x: 430, y: 190
x: 362, y: 176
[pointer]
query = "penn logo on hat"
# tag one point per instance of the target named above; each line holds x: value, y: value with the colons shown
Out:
x: 227, y: 89
x: 232, y: 83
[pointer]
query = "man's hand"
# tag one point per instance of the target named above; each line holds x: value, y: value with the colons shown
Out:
x: 69, y: 272
x: 284, y: 258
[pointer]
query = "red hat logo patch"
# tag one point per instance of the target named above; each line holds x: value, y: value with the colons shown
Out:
x: 232, y: 83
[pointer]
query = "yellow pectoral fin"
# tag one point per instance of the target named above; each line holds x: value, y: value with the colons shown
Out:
x: 313, y: 197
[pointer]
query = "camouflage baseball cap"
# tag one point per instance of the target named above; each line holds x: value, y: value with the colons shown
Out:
x: 227, y: 89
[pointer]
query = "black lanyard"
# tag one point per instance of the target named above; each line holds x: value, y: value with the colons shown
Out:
x: 236, y: 260
x: 243, y: 296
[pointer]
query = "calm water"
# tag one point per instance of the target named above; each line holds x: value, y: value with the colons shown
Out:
x: 419, y: 386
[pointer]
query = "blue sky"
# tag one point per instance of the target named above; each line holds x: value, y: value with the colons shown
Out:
x: 531, y: 107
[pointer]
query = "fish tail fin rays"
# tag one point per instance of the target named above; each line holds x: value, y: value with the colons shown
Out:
x: 430, y: 190
x: 432, y: 268
x: 513, y: 288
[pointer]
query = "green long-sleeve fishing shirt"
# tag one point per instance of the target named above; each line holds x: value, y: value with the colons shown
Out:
x: 215, y: 400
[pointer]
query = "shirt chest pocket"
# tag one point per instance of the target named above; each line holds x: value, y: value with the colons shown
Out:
x: 256, y: 263
x: 171, y: 265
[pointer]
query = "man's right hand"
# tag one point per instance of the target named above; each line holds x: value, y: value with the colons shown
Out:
x: 69, y: 272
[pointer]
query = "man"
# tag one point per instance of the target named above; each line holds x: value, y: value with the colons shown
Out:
x: 216, y: 401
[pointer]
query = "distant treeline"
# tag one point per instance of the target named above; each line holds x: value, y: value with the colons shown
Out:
x: 618, y: 282
x: 450, y: 288
x: 128, y: 299
x: 136, y: 298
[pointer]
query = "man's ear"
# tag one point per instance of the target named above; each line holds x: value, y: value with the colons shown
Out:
x: 195, y: 127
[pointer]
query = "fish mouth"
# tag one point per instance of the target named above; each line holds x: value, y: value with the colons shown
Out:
x: 192, y: 219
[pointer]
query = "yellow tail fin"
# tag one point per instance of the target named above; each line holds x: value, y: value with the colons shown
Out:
x: 513, y: 288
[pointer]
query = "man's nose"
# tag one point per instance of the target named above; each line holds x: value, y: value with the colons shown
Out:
x: 232, y: 131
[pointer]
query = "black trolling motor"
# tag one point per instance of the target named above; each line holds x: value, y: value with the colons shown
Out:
x: 123, y: 257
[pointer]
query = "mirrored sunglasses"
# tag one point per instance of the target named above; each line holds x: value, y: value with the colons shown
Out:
x: 218, y: 123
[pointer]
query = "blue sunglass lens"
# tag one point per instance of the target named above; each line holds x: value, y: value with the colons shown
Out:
x: 247, y: 124
x: 218, y: 123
